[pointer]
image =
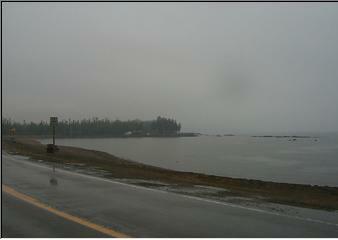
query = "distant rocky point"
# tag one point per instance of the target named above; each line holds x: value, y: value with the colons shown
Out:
x: 188, y: 134
x: 278, y: 136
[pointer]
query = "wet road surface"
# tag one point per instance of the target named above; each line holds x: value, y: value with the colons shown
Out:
x: 136, y: 211
x: 21, y: 219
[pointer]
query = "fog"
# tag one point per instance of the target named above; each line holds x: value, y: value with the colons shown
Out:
x: 215, y: 67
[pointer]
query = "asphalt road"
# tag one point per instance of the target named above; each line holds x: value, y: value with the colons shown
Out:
x: 132, y: 210
x: 22, y: 219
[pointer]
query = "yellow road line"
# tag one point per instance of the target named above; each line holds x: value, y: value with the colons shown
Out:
x: 59, y: 213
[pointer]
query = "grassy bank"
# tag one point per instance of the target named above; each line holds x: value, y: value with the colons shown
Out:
x: 291, y: 194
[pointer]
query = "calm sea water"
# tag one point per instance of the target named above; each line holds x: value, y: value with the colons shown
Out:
x: 302, y: 161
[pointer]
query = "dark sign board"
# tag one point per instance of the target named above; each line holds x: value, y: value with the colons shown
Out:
x: 53, y: 121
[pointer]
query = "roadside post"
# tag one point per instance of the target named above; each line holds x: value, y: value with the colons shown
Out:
x: 53, y: 123
x: 51, y: 148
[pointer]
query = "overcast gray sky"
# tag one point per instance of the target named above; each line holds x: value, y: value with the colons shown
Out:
x: 227, y: 67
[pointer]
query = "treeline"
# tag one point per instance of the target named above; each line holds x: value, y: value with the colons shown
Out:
x: 95, y: 128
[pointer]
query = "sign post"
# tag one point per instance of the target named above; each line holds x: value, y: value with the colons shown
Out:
x: 52, y: 148
x: 53, y: 123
